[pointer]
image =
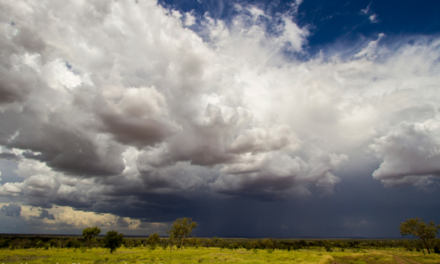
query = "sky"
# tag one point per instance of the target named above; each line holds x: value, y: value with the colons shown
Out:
x: 305, y: 118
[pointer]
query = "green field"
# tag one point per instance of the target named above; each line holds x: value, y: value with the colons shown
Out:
x: 211, y: 255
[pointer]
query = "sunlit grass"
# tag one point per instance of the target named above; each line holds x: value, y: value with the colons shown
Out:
x: 211, y: 255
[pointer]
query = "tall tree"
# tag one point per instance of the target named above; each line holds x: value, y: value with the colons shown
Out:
x: 417, y: 228
x: 181, y: 229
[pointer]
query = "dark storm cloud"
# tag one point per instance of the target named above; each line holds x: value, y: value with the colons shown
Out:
x: 11, y: 209
x: 9, y: 156
x: 14, y: 87
x: 32, y: 155
x: 134, y: 132
x: 66, y: 148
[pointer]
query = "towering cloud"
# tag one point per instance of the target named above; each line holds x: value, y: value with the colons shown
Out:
x: 105, y: 105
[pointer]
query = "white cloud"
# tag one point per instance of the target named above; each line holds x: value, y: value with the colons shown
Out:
x: 367, y: 9
x: 190, y: 19
x: 371, y: 50
x: 373, y: 18
x: 62, y: 217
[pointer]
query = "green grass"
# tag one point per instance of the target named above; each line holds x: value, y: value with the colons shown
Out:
x: 211, y: 255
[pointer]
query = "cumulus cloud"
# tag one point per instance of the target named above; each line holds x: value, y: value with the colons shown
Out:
x: 408, y: 150
x: 64, y: 218
x: 106, y: 107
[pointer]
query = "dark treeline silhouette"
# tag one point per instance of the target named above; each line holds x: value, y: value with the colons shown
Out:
x: 77, y: 242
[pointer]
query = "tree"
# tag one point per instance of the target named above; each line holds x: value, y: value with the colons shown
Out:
x: 417, y: 228
x: 89, y: 233
x: 181, y: 229
x: 113, y: 240
x: 153, y: 240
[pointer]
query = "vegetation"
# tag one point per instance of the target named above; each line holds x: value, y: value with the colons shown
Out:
x: 181, y: 229
x: 113, y: 240
x: 417, y: 228
x: 153, y: 240
x: 90, y: 232
x: 79, y: 249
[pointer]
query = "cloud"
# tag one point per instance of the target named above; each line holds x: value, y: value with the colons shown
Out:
x: 11, y: 209
x: 121, y: 222
x: 371, y: 16
x: 45, y: 214
x: 371, y: 49
x: 275, y: 175
x: 118, y: 107
x: 10, y: 189
x: 9, y: 156
x: 189, y: 19
x: 410, y: 152
x: 66, y: 219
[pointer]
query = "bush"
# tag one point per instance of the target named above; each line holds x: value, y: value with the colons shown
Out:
x: 39, y: 244
x: 113, y: 240
x: 73, y: 243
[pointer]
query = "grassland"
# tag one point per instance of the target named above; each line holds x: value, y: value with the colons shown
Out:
x: 211, y: 255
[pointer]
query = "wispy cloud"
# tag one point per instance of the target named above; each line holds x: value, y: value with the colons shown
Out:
x: 371, y: 15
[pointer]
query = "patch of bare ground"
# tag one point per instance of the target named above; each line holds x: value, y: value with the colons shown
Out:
x: 398, y: 260
x: 410, y: 260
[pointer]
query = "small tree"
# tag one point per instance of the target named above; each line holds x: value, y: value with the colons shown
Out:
x: 113, y: 240
x: 153, y: 240
x: 417, y: 228
x: 181, y: 229
x: 89, y: 233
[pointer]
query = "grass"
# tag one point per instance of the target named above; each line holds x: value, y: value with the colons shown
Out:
x: 211, y: 255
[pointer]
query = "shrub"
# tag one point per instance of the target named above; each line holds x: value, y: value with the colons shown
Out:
x: 113, y: 240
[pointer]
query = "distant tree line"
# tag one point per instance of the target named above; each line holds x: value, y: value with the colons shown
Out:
x: 180, y: 237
